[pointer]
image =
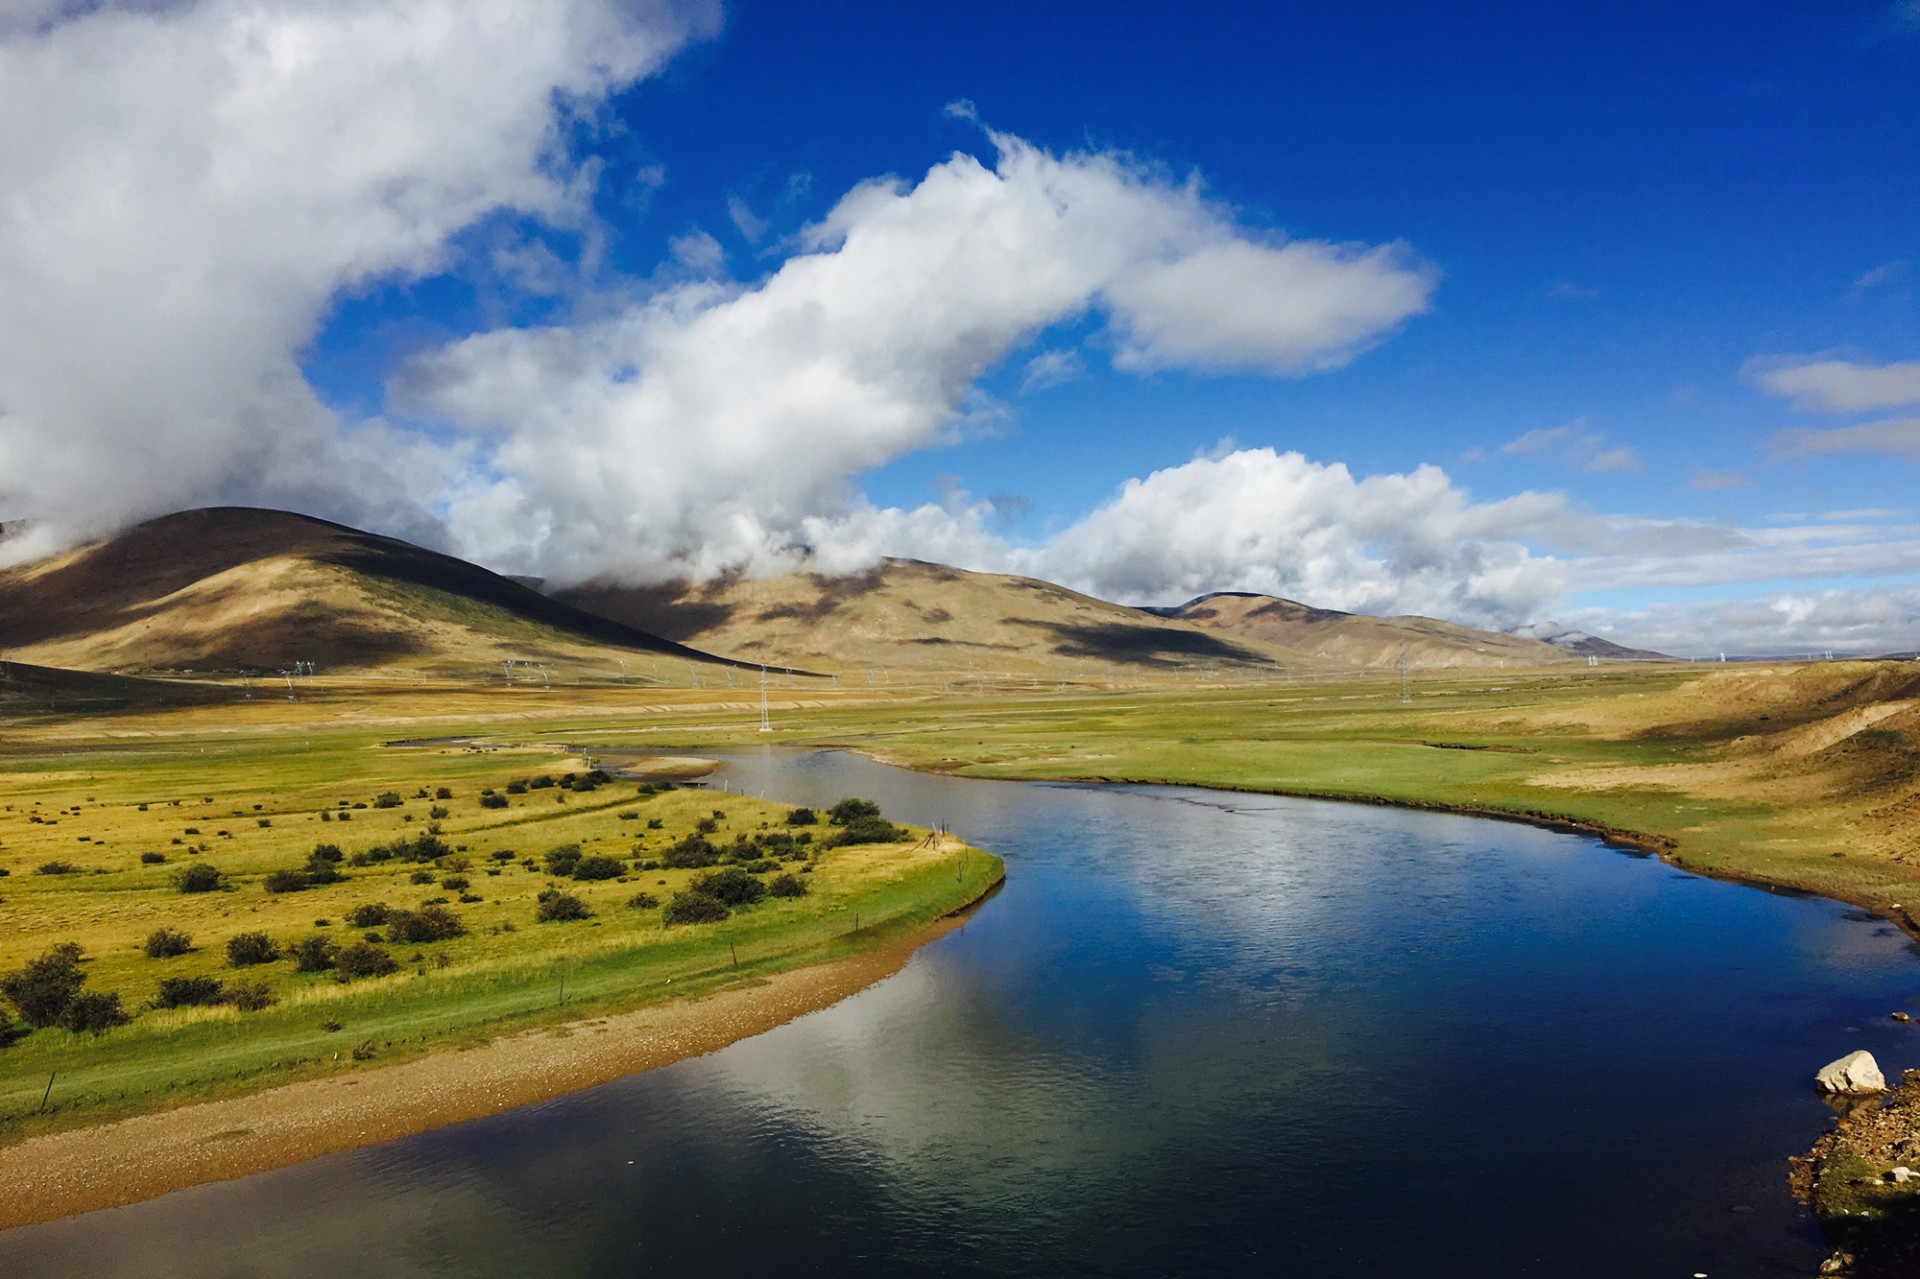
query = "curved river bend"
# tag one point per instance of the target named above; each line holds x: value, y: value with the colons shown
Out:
x: 1198, y: 1033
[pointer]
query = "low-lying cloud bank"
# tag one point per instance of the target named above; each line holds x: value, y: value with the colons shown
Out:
x: 192, y: 187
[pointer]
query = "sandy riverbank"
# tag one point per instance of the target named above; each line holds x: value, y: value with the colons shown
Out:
x: 121, y: 1163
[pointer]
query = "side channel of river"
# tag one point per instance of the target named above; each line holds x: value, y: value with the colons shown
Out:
x: 1197, y: 1033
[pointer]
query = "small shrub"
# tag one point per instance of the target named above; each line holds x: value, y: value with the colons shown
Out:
x: 492, y: 800
x: 287, y: 881
x: 165, y: 943
x: 787, y: 886
x: 690, y: 853
x: 313, y: 954
x: 94, y: 1012
x: 265, y: 822
x: 152, y: 859
x: 251, y: 997
x: 556, y: 906
x: 421, y: 877
x: 188, y: 992
x: 803, y: 817
x: 706, y: 826
x: 867, y: 830
x: 542, y: 782
x: 642, y: 901
x: 325, y: 855
x: 563, y: 860
x: 437, y: 813
x: 692, y: 907
x: 429, y: 923
x: 732, y: 887
x: 10, y: 1029
x: 326, y: 815
x: 41, y: 990
x: 454, y: 883
x: 201, y: 877
x: 848, y: 811
x: 371, y: 915
x: 516, y: 788
x: 599, y: 866
x: 364, y: 959
x: 443, y: 792
x: 654, y: 823
x: 56, y: 868
x: 244, y: 949
x: 387, y: 799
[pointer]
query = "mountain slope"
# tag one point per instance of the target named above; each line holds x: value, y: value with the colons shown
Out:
x: 1354, y: 639
x: 1587, y: 645
x: 915, y: 615
x: 232, y: 588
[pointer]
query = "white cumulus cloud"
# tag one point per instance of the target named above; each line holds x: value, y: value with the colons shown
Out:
x: 716, y: 424
x: 189, y: 187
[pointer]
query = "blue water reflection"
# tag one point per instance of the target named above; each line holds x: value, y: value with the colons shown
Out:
x: 1196, y: 1034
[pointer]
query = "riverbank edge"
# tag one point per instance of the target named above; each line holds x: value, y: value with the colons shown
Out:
x: 79, y: 1170
x: 1664, y: 847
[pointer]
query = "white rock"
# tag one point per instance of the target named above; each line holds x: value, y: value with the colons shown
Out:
x: 1855, y: 1074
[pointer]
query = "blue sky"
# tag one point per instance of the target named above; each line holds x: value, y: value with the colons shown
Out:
x: 1641, y: 273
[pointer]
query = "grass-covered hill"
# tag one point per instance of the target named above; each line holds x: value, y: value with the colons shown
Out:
x: 236, y: 588
x: 919, y: 616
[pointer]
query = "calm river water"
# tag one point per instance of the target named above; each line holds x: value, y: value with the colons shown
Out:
x: 1197, y: 1034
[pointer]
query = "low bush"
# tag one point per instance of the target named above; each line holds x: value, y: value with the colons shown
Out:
x: 848, y: 811
x: 562, y: 860
x: 599, y: 866
x: 443, y: 792
x: 313, y: 954
x: 245, y: 949
x: 654, y: 823
x: 188, y: 992
x: 364, y: 959
x: 692, y: 907
x: 56, y: 868
x: 642, y: 901
x: 516, y: 788
x: 152, y: 859
x: 370, y: 915
x: 787, y: 886
x: 438, y: 814
x: 429, y: 923
x: 287, y: 881
x: 867, y: 830
x: 41, y: 989
x: 690, y: 853
x: 10, y: 1029
x: 491, y: 799
x: 803, y: 817
x: 732, y: 887
x: 387, y: 799
x: 454, y: 883
x: 201, y: 877
x: 165, y: 943
x: 555, y: 906
x: 251, y: 997
x: 421, y: 877
x: 93, y: 1012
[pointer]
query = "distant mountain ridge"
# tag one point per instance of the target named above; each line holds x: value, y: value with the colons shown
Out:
x: 1550, y: 632
x: 1357, y: 639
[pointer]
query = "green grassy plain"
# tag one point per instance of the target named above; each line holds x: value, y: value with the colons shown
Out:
x: 247, y: 797
x: 1800, y: 776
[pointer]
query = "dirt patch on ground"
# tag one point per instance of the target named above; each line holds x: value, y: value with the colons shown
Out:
x: 72, y: 1172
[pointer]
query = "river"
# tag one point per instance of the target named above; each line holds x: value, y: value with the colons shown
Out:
x: 1197, y: 1033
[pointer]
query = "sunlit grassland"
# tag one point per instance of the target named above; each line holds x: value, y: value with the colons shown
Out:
x: 1665, y: 752
x: 250, y: 803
